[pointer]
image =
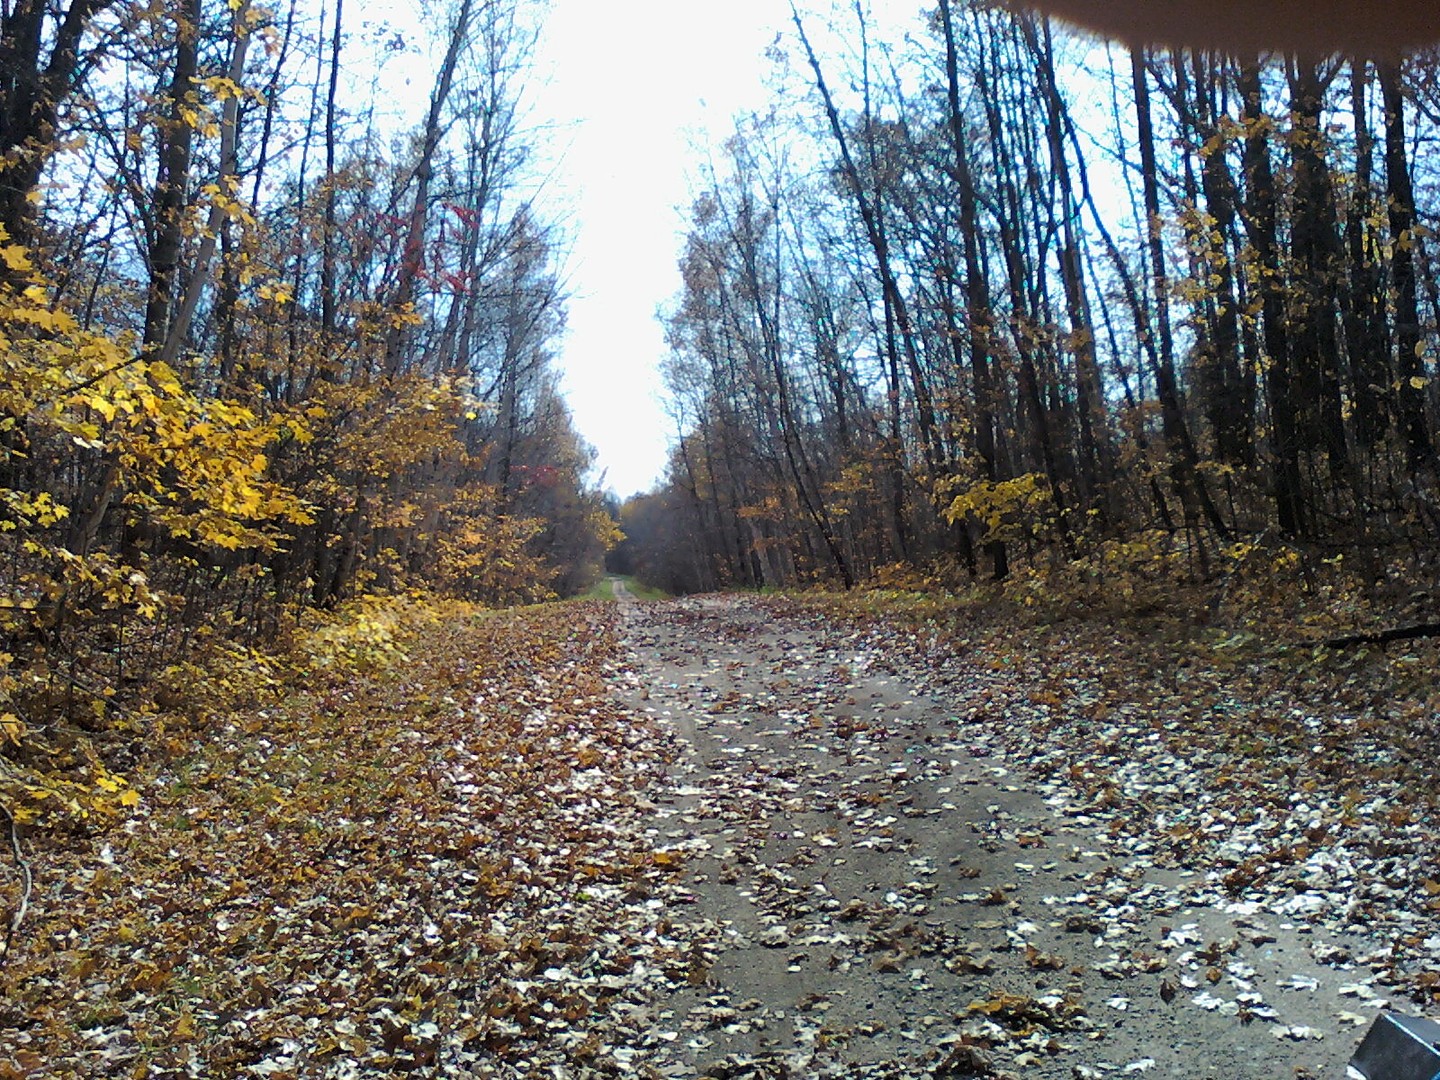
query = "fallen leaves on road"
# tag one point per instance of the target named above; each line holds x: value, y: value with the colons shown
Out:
x: 802, y: 842
x: 1297, y: 783
x: 1140, y: 829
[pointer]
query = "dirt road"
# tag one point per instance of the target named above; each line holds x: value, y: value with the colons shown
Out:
x: 878, y: 889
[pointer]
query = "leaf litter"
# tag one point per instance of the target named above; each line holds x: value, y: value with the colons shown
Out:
x: 1175, y: 855
x: 740, y: 837
x: 438, y: 867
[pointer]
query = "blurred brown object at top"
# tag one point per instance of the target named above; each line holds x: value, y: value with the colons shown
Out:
x: 1364, y: 28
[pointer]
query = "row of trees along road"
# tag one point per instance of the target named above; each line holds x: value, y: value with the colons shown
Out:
x: 264, y: 344
x: 996, y: 294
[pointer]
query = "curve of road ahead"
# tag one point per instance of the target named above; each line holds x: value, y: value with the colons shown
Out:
x: 871, y: 886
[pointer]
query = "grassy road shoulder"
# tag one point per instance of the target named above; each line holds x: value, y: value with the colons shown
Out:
x: 604, y: 589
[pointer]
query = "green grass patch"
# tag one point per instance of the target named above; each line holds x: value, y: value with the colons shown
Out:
x: 604, y: 589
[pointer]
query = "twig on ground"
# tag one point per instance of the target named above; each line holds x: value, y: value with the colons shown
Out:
x: 1384, y: 637
x: 29, y: 881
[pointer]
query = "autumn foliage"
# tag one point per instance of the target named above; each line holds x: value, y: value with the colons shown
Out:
x: 245, y: 379
x: 379, y: 852
x: 983, y: 298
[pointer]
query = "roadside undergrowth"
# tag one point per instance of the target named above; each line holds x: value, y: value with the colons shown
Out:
x: 411, y: 842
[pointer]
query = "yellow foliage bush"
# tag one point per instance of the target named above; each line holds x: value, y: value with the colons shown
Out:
x: 364, y: 634
x: 153, y: 459
x: 1005, y: 510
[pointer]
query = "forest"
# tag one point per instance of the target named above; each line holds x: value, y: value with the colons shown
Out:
x: 996, y: 300
x: 977, y: 298
x: 1082, y: 398
x: 264, y: 349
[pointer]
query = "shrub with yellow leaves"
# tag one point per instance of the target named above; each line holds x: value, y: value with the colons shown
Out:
x: 108, y: 463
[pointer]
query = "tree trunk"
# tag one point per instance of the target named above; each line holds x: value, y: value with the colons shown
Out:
x: 1089, y: 395
x: 1408, y: 342
x: 1184, y: 460
x: 228, y: 185
x: 33, y: 86
x: 413, y: 256
x: 1227, y: 391
x: 1261, y: 225
x: 172, y: 181
x: 978, y: 314
x: 1007, y: 213
x: 1315, y: 250
x: 1366, y: 335
x: 328, y: 303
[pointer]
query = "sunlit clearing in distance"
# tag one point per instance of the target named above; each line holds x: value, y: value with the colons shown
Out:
x: 630, y: 89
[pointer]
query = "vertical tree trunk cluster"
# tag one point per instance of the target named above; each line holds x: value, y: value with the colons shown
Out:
x: 1004, y: 323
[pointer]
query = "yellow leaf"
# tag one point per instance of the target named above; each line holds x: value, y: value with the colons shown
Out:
x: 15, y: 257
x: 129, y: 797
x: 102, y: 405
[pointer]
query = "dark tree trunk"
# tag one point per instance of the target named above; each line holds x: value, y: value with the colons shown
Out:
x: 1408, y: 342
x: 1261, y: 225
x: 1184, y: 459
x: 978, y: 313
x: 1315, y: 248
x: 328, y: 304
x: 1227, y: 402
x: 1366, y: 336
x: 1093, y: 474
x: 39, y: 69
x: 172, y: 181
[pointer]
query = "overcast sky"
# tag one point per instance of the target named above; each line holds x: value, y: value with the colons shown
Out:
x: 631, y: 84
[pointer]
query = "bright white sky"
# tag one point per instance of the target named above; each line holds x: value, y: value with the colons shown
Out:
x: 632, y: 85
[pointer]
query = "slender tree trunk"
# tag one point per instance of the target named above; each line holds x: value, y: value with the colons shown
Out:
x: 978, y: 313
x: 1089, y: 394
x: 228, y: 185
x: 413, y: 257
x: 1261, y: 224
x: 1408, y: 342
x: 1230, y: 407
x: 1366, y: 336
x: 1181, y: 450
x: 1315, y: 251
x: 327, y: 237
x: 172, y: 180
x: 1007, y: 213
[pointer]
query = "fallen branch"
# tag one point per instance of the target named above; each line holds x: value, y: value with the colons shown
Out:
x: 29, y: 880
x: 1384, y: 637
